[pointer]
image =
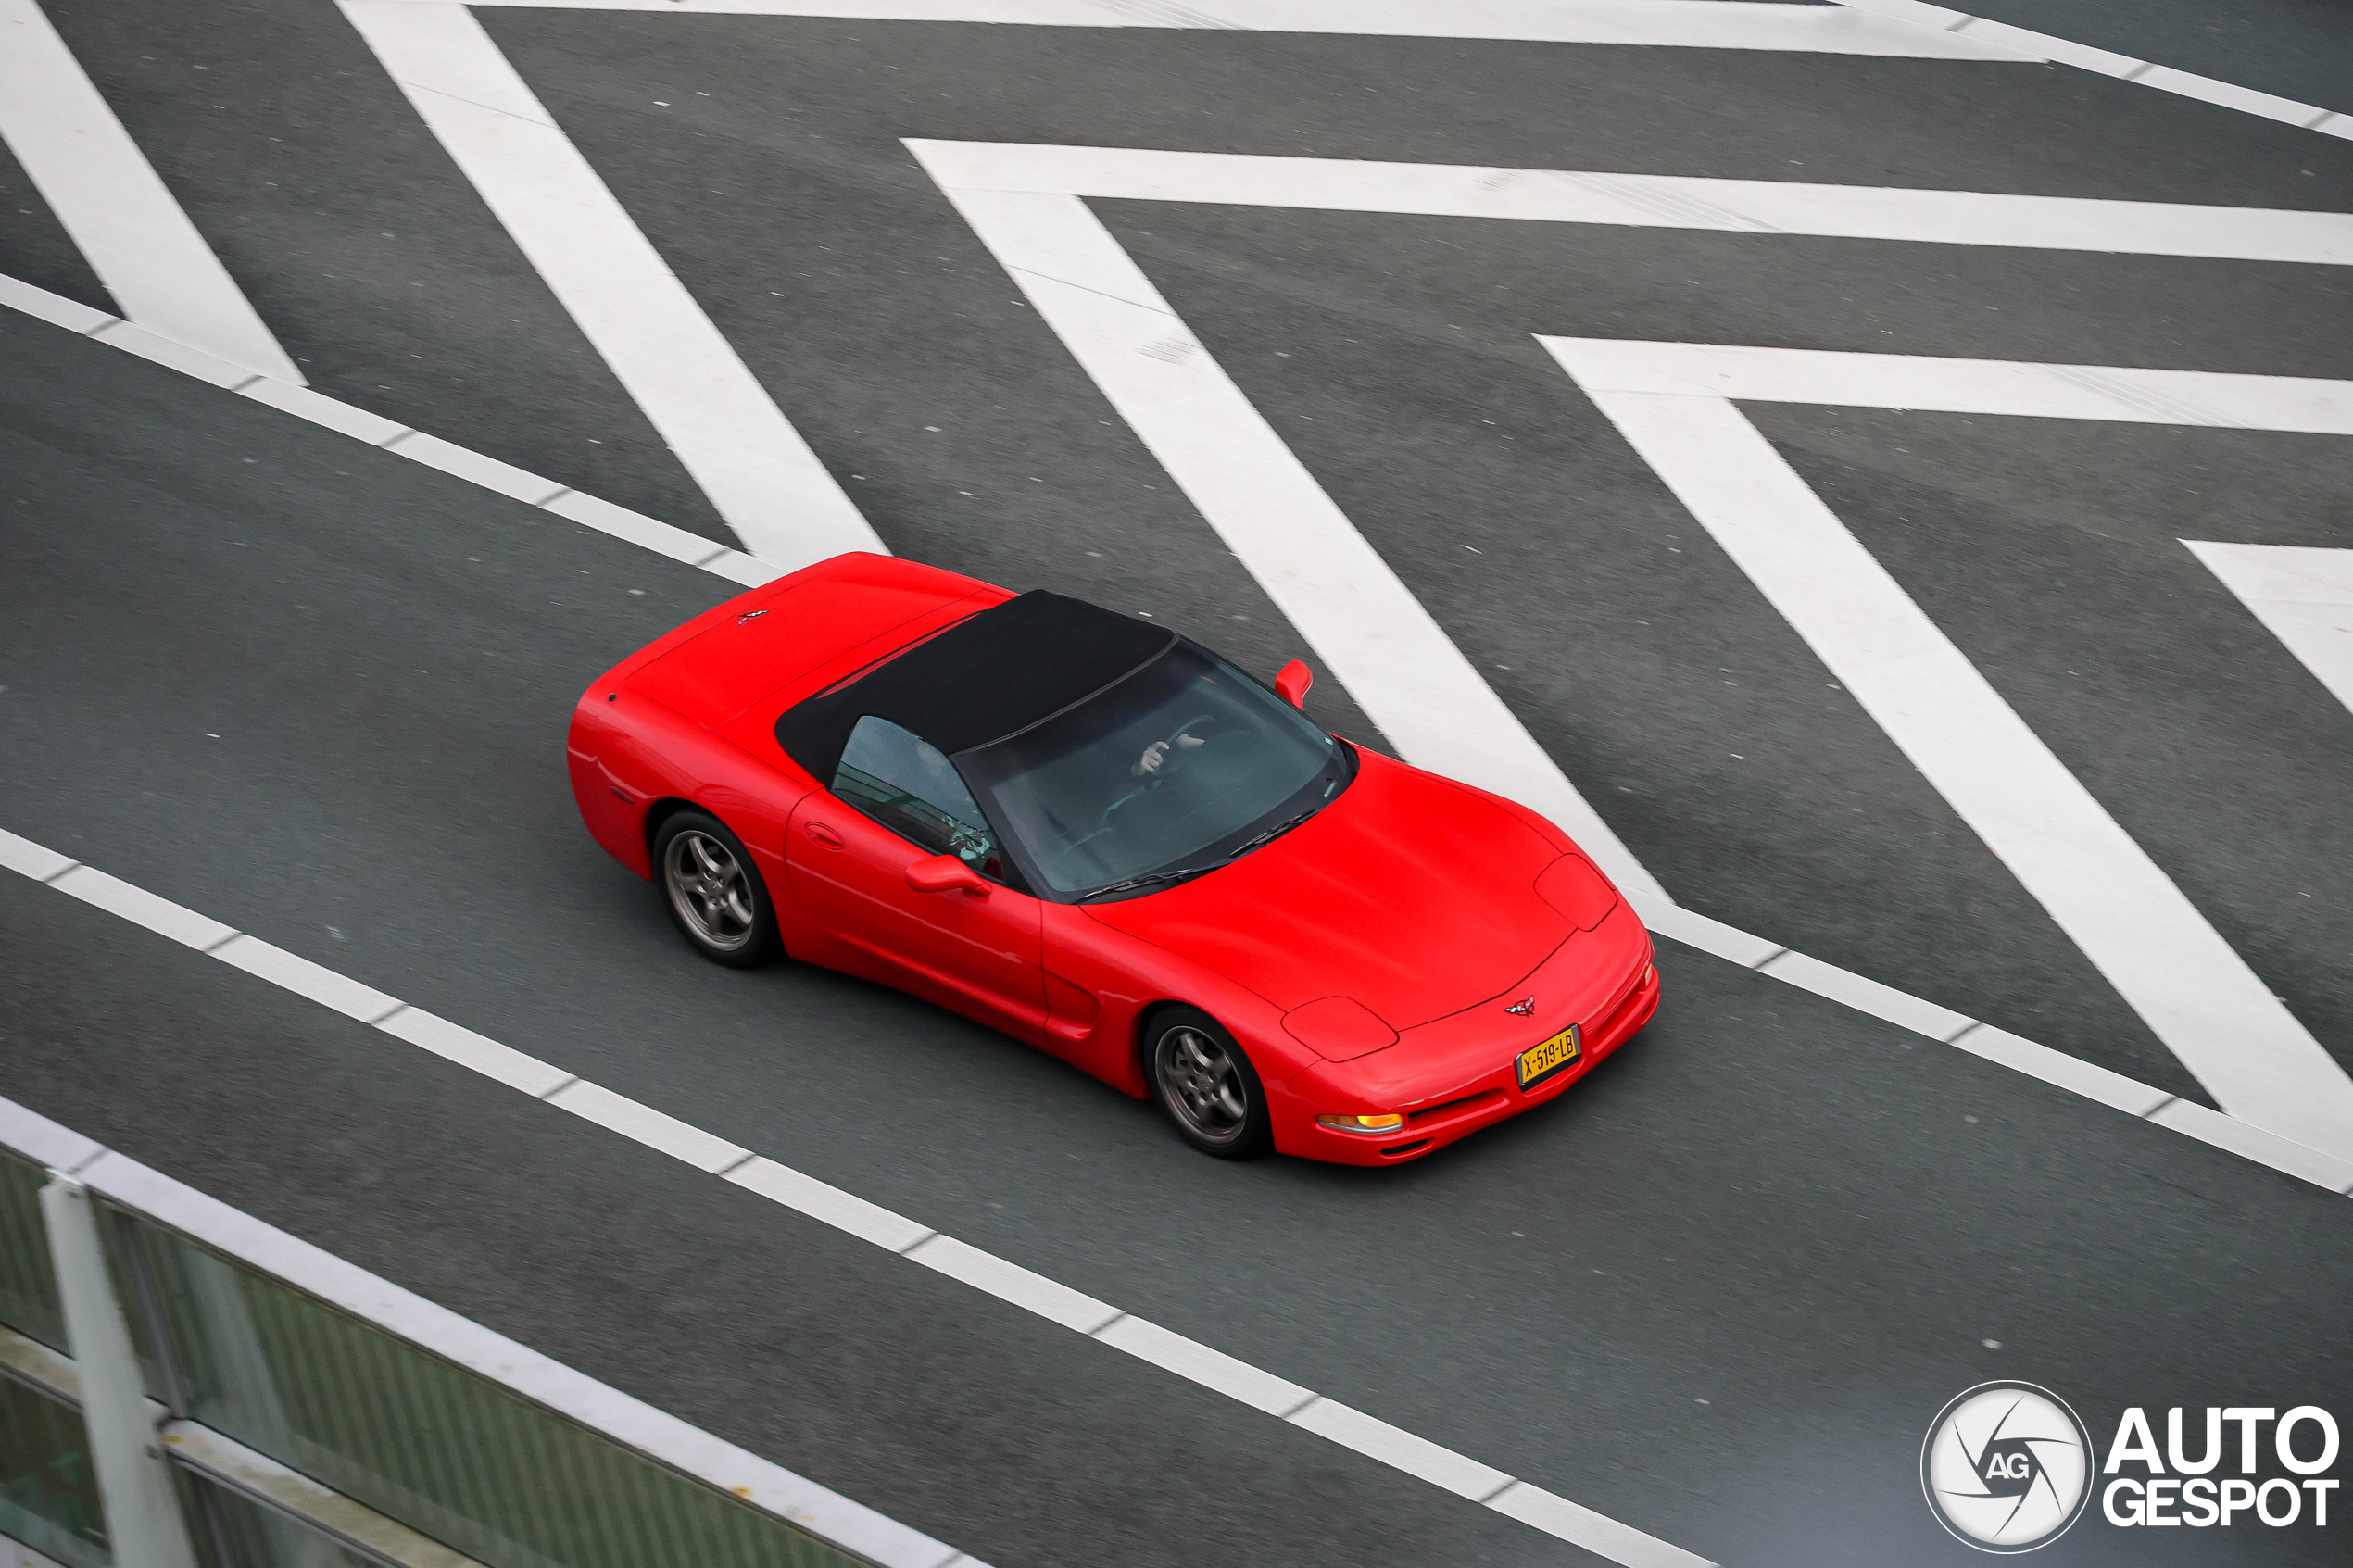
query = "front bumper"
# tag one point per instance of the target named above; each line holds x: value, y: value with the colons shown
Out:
x: 1453, y: 1076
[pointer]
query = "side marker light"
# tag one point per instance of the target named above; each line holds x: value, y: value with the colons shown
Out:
x: 1387, y: 1121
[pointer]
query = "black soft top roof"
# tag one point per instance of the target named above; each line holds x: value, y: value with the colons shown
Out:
x: 984, y: 678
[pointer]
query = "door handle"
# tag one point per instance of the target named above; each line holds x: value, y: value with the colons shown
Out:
x: 819, y: 833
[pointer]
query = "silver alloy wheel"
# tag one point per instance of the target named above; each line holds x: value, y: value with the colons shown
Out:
x: 708, y: 889
x: 1202, y: 1083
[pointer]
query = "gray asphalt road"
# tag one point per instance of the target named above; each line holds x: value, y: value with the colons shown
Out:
x: 1775, y: 803
x: 2294, y: 48
x: 318, y: 691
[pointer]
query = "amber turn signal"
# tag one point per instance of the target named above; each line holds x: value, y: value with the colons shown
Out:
x: 1387, y: 1121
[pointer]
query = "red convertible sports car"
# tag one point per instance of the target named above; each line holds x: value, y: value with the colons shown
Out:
x: 1099, y: 838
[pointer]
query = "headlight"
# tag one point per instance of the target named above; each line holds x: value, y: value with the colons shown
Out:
x: 1387, y: 1121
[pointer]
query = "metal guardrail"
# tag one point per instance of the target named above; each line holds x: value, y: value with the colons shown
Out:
x: 293, y: 1420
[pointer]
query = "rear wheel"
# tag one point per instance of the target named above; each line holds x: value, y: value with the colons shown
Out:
x: 1206, y: 1084
x: 713, y: 892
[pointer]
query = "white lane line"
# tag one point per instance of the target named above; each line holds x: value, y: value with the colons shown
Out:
x: 2139, y: 930
x: 999, y: 1277
x: 1554, y: 195
x: 846, y: 1213
x: 830, y: 1205
x: 765, y: 1486
x: 642, y: 1123
x: 2042, y: 46
x: 2078, y: 1076
x: 114, y: 206
x: 1382, y: 645
x: 1009, y: 1282
x: 2304, y: 594
x: 289, y: 971
x: 488, y: 472
x: 2131, y: 396
x: 477, y: 1053
x: 1395, y: 1446
x: 1196, y: 1363
x: 1704, y: 24
x: 142, y: 907
x: 693, y: 386
x: 1899, y: 1007
x: 341, y: 418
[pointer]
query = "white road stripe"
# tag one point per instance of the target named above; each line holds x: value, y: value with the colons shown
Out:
x: 477, y: 1053
x: 1375, y: 1438
x: 2237, y: 1135
x: 2304, y: 594
x: 698, y: 393
x: 173, y: 354
x: 473, y: 467
x: 1395, y: 661
x: 1650, y: 201
x: 1964, y: 386
x: 1009, y: 1282
x: 1707, y: 24
x: 290, y: 972
x: 142, y: 907
x: 1196, y: 1363
x: 846, y: 1213
x: 830, y: 1205
x: 2078, y: 1076
x: 983, y: 1271
x: 1899, y: 1007
x: 114, y: 206
x: 28, y: 858
x: 643, y: 1124
x: 341, y: 418
x: 2165, y: 960
x: 1960, y: 24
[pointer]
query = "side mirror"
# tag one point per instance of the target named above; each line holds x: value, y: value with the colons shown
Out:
x: 945, y: 873
x: 1292, y: 681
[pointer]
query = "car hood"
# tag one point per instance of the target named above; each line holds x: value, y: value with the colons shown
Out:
x: 1411, y: 894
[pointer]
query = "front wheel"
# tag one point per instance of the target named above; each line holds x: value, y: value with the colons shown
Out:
x: 1206, y: 1084
x: 713, y: 892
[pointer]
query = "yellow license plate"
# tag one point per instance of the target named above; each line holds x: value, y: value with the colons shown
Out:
x: 1542, y: 1061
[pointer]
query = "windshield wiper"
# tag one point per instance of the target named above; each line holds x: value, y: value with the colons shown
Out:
x: 1150, y: 878
x: 1270, y: 836
x: 1147, y: 880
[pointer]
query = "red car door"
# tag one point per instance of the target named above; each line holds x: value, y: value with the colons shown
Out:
x: 979, y: 955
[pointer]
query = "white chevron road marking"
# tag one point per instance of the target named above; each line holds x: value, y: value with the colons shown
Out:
x: 705, y: 402
x: 1672, y: 402
x: 2304, y: 594
x: 2198, y: 994
x: 1694, y: 930
x: 115, y: 207
x: 1649, y: 201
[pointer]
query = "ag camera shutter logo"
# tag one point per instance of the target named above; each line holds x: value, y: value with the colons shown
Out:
x: 2006, y: 1467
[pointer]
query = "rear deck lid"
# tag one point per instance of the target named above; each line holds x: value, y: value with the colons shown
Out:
x: 768, y: 641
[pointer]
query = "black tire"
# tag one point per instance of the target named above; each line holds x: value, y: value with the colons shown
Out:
x: 713, y: 891
x: 1207, y: 1085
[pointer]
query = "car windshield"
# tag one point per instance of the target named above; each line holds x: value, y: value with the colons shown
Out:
x: 1176, y: 768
